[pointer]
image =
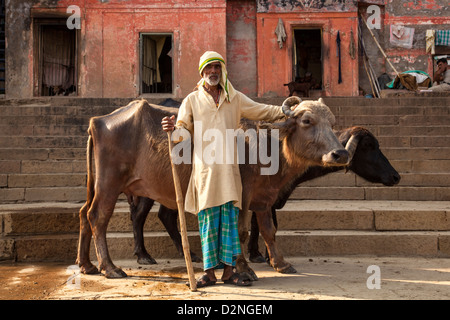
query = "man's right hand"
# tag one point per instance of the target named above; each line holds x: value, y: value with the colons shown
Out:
x: 168, y: 124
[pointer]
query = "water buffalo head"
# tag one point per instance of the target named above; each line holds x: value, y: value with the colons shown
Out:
x: 307, y: 134
x: 366, y: 158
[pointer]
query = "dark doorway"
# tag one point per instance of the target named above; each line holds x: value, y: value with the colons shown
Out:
x: 156, y: 63
x: 57, y: 61
x: 307, y: 59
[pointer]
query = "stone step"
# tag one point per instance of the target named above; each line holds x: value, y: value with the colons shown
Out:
x: 63, y: 247
x: 335, y: 103
x: 49, y: 231
x: 59, y: 218
x: 349, y: 179
x: 414, y: 154
x: 58, y: 119
x: 43, y: 153
x: 43, y: 141
x: 81, y: 130
x: 394, y: 243
x: 79, y: 141
x: 290, y: 243
x: 45, y: 181
x: 402, y: 120
x: 414, y: 141
x: 405, y: 102
x: 419, y: 130
x: 421, y: 166
x: 342, y: 121
x: 44, y: 130
x: 389, y: 110
x: 392, y: 153
x: 365, y: 191
x: 74, y: 141
x: 47, y: 110
x: 42, y: 194
x: 372, y: 193
x: 379, y: 107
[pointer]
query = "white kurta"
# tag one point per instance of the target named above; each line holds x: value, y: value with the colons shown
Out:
x: 215, y: 184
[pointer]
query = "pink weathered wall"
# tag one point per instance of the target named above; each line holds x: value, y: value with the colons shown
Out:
x: 109, y: 40
x: 275, y: 64
x: 241, y: 45
x: 112, y: 42
x: 241, y: 30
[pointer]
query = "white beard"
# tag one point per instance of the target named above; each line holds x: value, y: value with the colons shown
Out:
x: 210, y: 81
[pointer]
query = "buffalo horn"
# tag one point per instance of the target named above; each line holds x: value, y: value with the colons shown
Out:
x: 288, y: 103
x: 351, y: 146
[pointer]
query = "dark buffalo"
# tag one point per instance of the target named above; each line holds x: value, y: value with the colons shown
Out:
x: 131, y: 156
x: 368, y: 162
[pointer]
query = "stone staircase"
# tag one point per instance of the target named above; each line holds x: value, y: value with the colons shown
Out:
x: 43, y: 177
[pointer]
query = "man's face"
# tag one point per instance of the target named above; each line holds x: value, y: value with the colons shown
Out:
x: 212, y: 73
x: 442, y: 65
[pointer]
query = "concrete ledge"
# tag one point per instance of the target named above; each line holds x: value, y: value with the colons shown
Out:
x: 290, y: 243
x: 49, y: 231
x: 416, y: 220
x: 360, y: 243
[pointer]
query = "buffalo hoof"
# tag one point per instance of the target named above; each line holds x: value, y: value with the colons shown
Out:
x: 146, y: 260
x: 115, y: 273
x: 89, y: 268
x: 248, y: 273
x: 286, y: 270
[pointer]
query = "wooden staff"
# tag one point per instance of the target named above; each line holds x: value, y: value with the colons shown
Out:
x: 181, y: 215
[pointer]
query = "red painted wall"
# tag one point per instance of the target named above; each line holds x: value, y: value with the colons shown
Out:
x: 241, y: 45
x: 275, y: 64
x: 241, y: 30
x: 110, y: 41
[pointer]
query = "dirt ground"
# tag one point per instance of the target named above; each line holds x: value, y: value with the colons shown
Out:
x: 317, y: 278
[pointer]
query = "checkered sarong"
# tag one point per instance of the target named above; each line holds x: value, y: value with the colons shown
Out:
x: 442, y: 38
x: 219, y: 235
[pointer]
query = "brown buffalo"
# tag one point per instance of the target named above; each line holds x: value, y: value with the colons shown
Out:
x: 368, y: 162
x: 131, y: 156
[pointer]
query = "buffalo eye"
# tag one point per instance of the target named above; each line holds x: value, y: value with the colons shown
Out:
x: 306, y: 122
x: 369, y: 145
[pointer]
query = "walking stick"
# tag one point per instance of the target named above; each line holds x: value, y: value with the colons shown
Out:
x: 181, y: 215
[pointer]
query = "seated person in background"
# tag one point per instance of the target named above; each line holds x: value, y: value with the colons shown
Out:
x: 441, y: 76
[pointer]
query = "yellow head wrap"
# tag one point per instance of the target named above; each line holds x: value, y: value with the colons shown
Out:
x: 212, y: 56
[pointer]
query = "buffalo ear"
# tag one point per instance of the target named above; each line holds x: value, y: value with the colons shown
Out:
x: 285, y: 128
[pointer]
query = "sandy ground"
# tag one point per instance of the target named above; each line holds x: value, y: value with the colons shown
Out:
x: 318, y: 278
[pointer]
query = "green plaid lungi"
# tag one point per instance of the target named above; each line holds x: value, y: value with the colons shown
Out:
x: 219, y: 235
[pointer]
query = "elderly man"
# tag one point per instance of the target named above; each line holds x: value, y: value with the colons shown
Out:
x: 215, y: 189
x: 442, y: 76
